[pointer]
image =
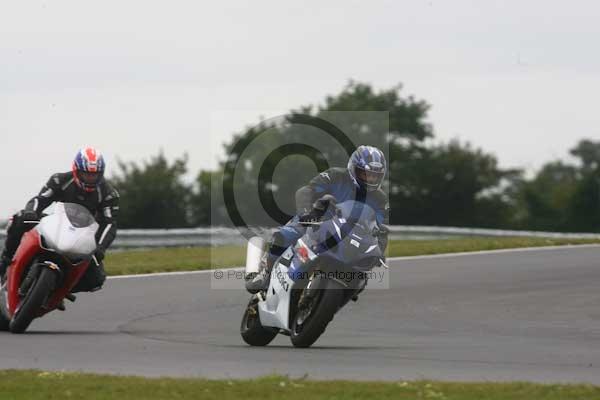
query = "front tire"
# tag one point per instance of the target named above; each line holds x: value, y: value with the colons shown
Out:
x: 252, y: 330
x: 35, y: 298
x: 4, y: 323
x: 327, y: 303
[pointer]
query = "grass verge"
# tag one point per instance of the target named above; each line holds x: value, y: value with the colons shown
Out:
x: 197, y: 258
x: 18, y: 385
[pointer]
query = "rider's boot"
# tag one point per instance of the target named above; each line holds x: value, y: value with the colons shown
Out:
x: 255, y: 282
x: 71, y: 297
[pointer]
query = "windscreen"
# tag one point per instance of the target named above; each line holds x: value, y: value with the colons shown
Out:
x: 358, y: 213
x: 78, y: 215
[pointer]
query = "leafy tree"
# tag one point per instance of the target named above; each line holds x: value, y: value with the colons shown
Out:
x: 584, y: 208
x: 354, y: 110
x: 448, y: 184
x: 562, y: 196
x: 429, y: 184
x: 545, y: 199
x: 588, y: 153
x: 153, y: 195
x: 407, y: 115
x: 200, y: 204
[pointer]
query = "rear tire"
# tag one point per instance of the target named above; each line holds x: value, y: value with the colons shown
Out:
x: 252, y: 330
x: 310, y: 330
x: 38, y: 294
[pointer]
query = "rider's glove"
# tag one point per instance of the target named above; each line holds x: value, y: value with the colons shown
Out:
x: 308, y: 216
x: 322, y: 204
x: 382, y: 230
x: 319, y: 208
x: 28, y: 216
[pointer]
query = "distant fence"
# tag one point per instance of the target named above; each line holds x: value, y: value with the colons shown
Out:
x: 128, y: 239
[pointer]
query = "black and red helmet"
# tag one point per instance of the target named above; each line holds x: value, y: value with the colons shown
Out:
x: 88, y: 169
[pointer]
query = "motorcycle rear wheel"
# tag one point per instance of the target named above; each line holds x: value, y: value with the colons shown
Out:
x: 35, y: 298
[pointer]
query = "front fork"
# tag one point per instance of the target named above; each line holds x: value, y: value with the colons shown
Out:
x: 33, y: 274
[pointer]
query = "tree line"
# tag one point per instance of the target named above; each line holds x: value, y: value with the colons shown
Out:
x: 430, y: 183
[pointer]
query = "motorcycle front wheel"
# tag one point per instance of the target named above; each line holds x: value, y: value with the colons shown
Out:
x: 309, y: 324
x: 4, y: 323
x: 35, y: 298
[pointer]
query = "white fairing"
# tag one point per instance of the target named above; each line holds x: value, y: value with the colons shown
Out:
x: 60, y: 235
x: 274, y: 310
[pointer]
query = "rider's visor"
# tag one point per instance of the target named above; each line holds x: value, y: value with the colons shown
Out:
x: 90, y: 178
x: 370, y: 178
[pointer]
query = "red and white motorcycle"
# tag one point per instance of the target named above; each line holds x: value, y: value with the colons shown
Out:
x: 49, y: 262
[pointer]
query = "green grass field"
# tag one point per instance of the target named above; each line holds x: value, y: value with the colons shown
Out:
x: 17, y: 385
x: 197, y: 258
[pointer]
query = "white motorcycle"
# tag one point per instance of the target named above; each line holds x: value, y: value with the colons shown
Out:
x: 312, y: 280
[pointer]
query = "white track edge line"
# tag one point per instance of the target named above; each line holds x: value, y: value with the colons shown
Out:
x: 405, y: 258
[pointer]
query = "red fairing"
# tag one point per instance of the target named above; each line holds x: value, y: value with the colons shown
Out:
x: 28, y: 249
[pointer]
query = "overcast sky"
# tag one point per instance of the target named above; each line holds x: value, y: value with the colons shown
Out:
x: 517, y: 78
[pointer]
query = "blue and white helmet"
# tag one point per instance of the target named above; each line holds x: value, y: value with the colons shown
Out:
x: 367, y: 167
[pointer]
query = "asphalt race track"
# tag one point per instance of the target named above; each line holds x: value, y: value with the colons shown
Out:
x: 518, y: 315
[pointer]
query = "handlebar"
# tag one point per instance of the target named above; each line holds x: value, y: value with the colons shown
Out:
x: 311, y: 223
